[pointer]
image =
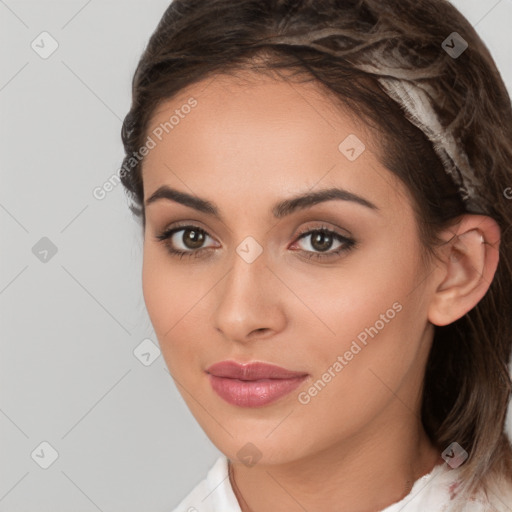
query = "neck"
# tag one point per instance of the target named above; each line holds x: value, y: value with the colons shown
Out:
x: 361, y: 474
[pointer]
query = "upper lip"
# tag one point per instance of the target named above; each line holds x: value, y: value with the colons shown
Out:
x: 251, y: 371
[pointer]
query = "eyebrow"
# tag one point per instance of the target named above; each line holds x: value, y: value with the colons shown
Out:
x: 279, y: 210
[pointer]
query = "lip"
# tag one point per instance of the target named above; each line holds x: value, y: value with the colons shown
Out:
x: 253, y: 384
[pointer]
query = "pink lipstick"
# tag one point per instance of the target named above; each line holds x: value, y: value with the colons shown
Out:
x: 252, y: 384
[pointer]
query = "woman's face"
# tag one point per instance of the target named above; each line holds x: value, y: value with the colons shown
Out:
x: 334, y: 290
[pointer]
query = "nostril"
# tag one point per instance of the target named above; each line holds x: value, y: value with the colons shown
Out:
x: 260, y: 330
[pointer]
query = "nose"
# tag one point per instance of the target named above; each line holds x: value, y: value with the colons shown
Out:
x: 249, y: 302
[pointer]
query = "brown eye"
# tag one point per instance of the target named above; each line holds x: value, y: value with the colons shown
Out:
x: 185, y: 240
x: 321, y: 241
x: 193, y: 238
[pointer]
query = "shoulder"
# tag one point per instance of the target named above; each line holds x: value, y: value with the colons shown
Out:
x: 495, y: 495
x: 439, y: 491
x: 498, y: 495
x: 212, y: 494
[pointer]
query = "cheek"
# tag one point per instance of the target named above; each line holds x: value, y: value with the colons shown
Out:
x: 340, y: 304
x: 365, y: 322
x: 165, y: 292
x: 175, y: 301
x: 360, y: 331
x: 358, y: 372
x: 158, y: 295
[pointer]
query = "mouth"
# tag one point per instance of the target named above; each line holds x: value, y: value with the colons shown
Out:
x: 252, y: 384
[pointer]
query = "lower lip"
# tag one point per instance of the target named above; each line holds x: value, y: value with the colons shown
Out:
x: 253, y: 393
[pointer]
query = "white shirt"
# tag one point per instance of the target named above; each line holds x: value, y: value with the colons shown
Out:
x: 430, y: 493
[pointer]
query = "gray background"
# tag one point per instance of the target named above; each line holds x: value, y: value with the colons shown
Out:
x: 70, y: 321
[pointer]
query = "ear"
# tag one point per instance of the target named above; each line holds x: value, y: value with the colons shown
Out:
x: 469, y: 259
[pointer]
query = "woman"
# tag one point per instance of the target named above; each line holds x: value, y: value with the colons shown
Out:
x: 322, y: 188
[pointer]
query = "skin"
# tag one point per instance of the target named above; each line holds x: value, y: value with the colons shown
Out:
x: 359, y: 444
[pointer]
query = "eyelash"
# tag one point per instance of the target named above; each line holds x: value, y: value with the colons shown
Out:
x: 349, y: 243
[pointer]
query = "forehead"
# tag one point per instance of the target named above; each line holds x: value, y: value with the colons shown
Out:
x: 258, y: 95
x: 255, y: 132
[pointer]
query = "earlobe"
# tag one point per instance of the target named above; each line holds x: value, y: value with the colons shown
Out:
x: 469, y: 264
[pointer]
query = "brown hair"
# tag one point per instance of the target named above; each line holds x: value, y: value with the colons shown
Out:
x: 467, y: 385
